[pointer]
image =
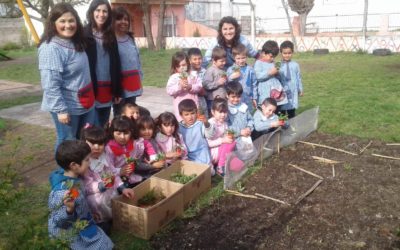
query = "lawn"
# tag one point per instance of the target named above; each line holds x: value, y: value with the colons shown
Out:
x: 357, y: 95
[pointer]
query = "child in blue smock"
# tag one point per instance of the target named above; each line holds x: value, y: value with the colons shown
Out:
x: 70, y: 215
x: 194, y: 133
x: 267, y: 73
x: 291, y: 79
x: 245, y: 74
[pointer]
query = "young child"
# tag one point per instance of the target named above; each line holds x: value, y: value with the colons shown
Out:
x: 102, y: 181
x: 221, y: 142
x: 197, y: 71
x: 265, y: 119
x: 131, y: 110
x: 67, y: 201
x: 215, y: 77
x: 168, y: 138
x: 267, y: 74
x: 291, y: 79
x: 245, y: 74
x: 124, y: 150
x: 146, y: 127
x: 181, y: 85
x: 239, y: 117
x: 193, y: 132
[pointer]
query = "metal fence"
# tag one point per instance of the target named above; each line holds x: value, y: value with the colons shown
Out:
x: 334, y: 23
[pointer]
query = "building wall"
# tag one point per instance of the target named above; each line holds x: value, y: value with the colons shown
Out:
x: 11, y: 30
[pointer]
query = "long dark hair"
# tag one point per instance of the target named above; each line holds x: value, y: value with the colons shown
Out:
x: 108, y: 32
x: 122, y: 124
x: 144, y: 122
x: 238, y: 30
x: 167, y: 118
x: 176, y: 59
x: 50, y: 27
x: 119, y: 13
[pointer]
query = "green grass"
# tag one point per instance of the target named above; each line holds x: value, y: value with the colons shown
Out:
x: 7, y: 103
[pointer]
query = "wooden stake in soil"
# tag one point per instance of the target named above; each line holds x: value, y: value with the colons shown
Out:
x: 324, y: 146
x: 306, y: 171
x: 362, y: 150
x: 308, y: 192
x: 333, y: 170
x: 393, y: 144
x: 279, y: 142
x: 272, y: 199
x: 387, y: 157
x: 232, y: 192
x: 324, y: 160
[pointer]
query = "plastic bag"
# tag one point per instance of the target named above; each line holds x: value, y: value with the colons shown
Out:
x: 245, y: 149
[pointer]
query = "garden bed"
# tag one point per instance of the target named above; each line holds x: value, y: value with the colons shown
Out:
x: 355, y: 207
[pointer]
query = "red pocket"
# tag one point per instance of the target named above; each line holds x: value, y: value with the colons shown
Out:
x: 104, y: 93
x: 86, y: 96
x: 131, y: 80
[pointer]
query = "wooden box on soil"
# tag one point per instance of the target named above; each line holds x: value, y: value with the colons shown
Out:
x: 144, y: 222
x: 192, y: 189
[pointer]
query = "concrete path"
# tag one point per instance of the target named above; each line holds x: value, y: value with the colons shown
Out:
x: 154, y: 99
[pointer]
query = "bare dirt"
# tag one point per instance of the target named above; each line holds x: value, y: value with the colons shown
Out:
x: 357, y: 208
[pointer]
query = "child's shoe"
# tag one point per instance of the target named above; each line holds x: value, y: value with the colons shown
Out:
x: 221, y: 171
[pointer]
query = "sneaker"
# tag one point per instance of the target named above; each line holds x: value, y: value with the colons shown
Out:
x: 221, y: 171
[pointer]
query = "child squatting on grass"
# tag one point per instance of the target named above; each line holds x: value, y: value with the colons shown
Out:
x: 102, y: 181
x: 70, y: 216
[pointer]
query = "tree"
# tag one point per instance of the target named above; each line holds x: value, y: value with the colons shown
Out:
x: 302, y: 7
x: 147, y: 24
x: 42, y: 7
x: 160, y: 36
x: 285, y: 7
x: 9, y: 9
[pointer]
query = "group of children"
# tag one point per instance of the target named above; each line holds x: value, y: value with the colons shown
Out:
x: 214, y: 110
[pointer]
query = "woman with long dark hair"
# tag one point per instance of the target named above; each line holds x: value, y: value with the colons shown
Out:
x: 67, y: 88
x: 104, y: 61
x: 228, y: 37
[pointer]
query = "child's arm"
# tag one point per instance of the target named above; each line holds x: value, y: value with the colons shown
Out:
x: 232, y: 75
x: 173, y: 86
x: 254, y: 86
x: 262, y: 71
x: 196, y: 84
x: 62, y: 210
x: 92, y: 185
x: 250, y: 121
x: 263, y: 125
x: 210, y: 82
x: 150, y: 150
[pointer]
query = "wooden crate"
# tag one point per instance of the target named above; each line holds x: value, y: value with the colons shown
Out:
x: 144, y: 222
x: 192, y: 189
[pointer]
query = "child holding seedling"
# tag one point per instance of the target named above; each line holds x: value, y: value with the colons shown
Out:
x: 267, y: 74
x: 70, y: 218
x: 265, y: 119
x: 291, y: 79
x: 180, y: 84
x: 197, y: 71
x: 222, y: 141
x: 239, y: 117
x: 215, y: 77
x: 124, y: 150
x: 102, y: 181
x: 194, y: 131
x: 152, y: 154
x: 169, y: 139
x: 245, y: 74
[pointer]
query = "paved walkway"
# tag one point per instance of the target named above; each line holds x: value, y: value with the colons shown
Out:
x: 154, y: 99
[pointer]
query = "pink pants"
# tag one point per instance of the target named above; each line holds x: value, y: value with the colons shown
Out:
x: 223, y: 150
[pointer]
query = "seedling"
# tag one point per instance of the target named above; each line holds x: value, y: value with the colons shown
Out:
x: 181, y: 178
x: 223, y: 74
x: 73, y: 190
x: 183, y: 75
x: 160, y: 157
x: 235, y: 68
x: 277, y: 65
x: 108, y: 179
x: 230, y: 133
x: 347, y: 167
x: 240, y: 187
x: 151, y: 198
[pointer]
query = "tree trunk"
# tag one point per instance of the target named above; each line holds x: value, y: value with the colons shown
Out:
x: 147, y: 24
x: 303, y: 21
x: 285, y: 7
x: 365, y: 18
x: 160, y: 36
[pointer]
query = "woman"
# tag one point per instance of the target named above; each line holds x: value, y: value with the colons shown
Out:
x: 131, y: 66
x: 228, y: 37
x: 104, y: 61
x: 67, y: 88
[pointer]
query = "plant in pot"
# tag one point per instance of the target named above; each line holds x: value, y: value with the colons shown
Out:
x: 151, y: 198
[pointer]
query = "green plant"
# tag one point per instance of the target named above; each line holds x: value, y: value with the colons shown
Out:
x: 347, y: 167
x: 11, y: 46
x: 240, y: 187
x: 181, y: 178
x: 278, y: 65
x: 152, y: 197
x: 283, y: 117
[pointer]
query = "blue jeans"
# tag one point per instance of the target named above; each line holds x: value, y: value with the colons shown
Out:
x: 71, y: 131
x: 102, y: 116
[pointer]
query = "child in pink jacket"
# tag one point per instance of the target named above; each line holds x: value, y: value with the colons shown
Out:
x: 180, y: 84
